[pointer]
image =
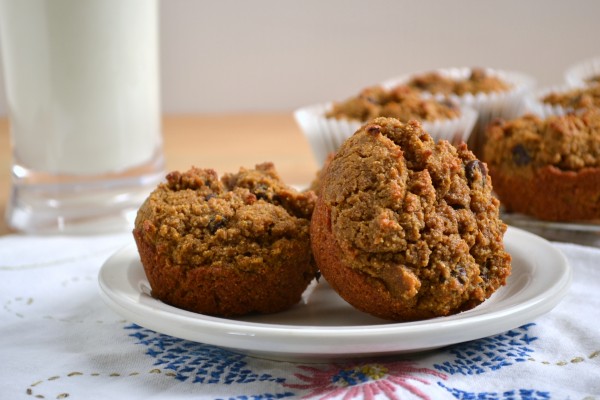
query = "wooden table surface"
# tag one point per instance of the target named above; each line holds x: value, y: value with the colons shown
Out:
x: 222, y: 142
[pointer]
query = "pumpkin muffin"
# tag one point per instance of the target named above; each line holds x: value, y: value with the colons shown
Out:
x: 574, y: 99
x: 563, y: 100
x: 547, y: 168
x: 326, y: 126
x: 400, y: 102
x: 406, y: 228
x: 478, y: 81
x: 229, y: 246
x: 493, y: 93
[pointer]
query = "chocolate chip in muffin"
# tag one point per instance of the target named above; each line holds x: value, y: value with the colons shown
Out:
x: 476, y: 170
x: 520, y: 155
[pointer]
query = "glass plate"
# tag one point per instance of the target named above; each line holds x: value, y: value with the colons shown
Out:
x: 585, y: 233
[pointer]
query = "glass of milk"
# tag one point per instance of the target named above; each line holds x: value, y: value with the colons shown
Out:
x: 82, y: 88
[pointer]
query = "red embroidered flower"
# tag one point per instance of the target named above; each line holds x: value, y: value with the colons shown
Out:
x: 364, y: 381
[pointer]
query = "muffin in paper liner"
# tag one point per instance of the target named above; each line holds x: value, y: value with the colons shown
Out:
x: 583, y: 73
x: 535, y: 104
x: 325, y: 135
x: 505, y: 104
x: 547, y: 168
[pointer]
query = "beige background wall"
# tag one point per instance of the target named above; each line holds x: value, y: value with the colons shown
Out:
x: 275, y: 55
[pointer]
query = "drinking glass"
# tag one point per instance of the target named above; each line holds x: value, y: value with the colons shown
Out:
x: 82, y: 89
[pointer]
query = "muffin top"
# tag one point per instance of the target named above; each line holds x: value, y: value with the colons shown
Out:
x: 580, y: 98
x: 197, y: 220
x: 593, y: 79
x: 569, y: 142
x: 400, y: 102
x: 417, y: 215
x: 479, y: 81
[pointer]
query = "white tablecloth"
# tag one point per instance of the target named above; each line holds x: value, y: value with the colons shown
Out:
x: 59, y: 340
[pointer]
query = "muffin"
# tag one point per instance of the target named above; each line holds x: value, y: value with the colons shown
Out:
x: 227, y: 247
x: 575, y: 99
x: 547, y: 168
x: 492, y: 93
x: 400, y: 102
x: 406, y: 228
x: 477, y: 81
x: 326, y: 126
x: 564, y: 100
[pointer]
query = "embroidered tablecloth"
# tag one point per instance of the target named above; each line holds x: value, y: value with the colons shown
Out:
x: 58, y: 340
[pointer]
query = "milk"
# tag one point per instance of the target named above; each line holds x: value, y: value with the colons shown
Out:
x: 82, y: 84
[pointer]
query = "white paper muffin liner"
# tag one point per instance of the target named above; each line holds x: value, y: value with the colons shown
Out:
x: 535, y: 105
x: 506, y: 104
x: 578, y: 74
x: 326, y: 135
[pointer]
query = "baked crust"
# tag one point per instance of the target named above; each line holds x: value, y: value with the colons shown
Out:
x: 362, y: 291
x: 550, y: 193
x: 225, y: 290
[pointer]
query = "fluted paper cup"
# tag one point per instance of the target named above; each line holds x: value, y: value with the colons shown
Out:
x: 580, y: 74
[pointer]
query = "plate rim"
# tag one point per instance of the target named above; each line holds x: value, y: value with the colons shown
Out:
x: 247, y: 337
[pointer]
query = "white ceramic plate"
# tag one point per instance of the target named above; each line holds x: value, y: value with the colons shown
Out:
x: 323, y: 326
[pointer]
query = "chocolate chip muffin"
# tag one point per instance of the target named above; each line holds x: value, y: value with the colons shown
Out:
x: 593, y: 79
x: 574, y: 99
x: 401, y: 102
x: 477, y: 81
x: 326, y: 126
x: 547, y: 168
x: 493, y: 93
x: 407, y: 229
x: 229, y: 246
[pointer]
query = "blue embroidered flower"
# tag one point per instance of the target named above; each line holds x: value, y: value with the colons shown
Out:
x: 491, y: 353
x: 200, y: 363
x: 521, y: 394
